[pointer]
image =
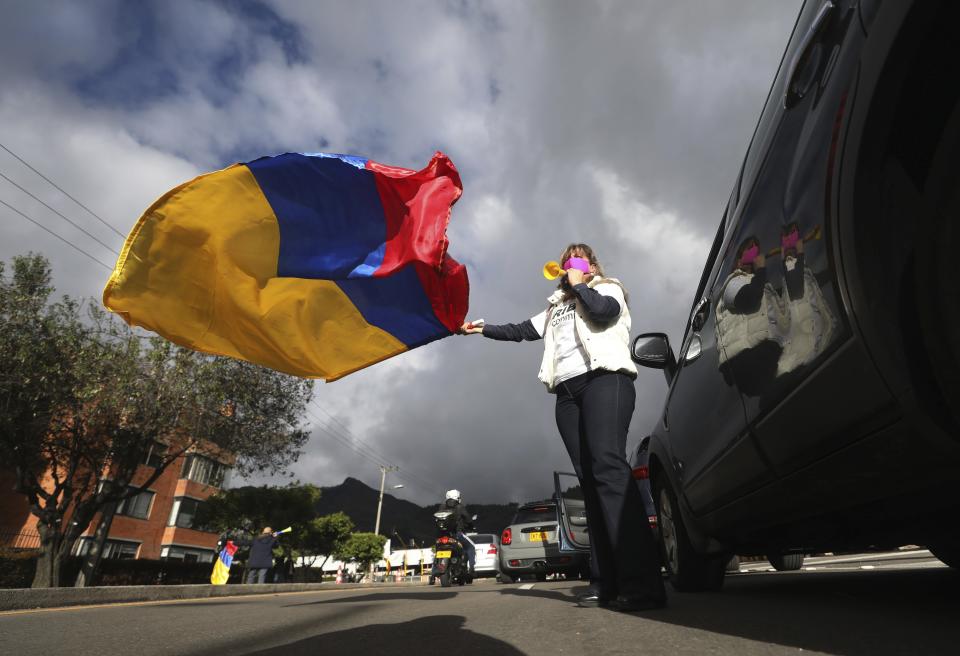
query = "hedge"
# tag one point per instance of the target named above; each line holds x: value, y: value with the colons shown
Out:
x: 17, y: 570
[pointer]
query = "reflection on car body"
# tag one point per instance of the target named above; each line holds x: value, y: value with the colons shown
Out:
x: 815, y: 402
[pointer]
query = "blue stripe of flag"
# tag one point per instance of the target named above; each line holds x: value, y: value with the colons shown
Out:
x: 329, y: 212
x: 396, y: 304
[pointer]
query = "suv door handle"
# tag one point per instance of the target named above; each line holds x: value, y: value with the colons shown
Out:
x: 790, y: 95
x: 699, y: 312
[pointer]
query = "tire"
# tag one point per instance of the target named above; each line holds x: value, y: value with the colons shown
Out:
x: 541, y: 577
x: 515, y: 579
x: 786, y: 562
x: 445, y: 581
x: 689, y: 571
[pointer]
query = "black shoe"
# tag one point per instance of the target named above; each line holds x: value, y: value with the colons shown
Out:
x: 592, y: 600
x: 627, y: 604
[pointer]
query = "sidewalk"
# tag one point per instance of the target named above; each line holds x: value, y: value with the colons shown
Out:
x: 28, y: 598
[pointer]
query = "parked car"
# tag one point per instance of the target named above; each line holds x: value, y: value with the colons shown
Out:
x: 530, y: 545
x: 485, y: 546
x: 814, y: 400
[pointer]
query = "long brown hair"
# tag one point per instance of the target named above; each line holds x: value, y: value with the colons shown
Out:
x: 588, y: 255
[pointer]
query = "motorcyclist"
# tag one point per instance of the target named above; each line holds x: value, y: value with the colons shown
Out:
x: 464, y: 522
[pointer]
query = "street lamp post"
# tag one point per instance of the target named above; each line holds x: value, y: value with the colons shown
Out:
x: 383, y: 480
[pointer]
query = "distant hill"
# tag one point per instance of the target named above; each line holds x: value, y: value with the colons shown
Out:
x: 399, y: 518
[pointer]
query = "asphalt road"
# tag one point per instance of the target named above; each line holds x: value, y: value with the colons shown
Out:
x: 859, y: 605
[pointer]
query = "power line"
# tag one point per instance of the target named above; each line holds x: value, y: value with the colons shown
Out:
x: 109, y: 248
x: 366, y: 453
x: 65, y: 241
x: 92, y: 213
x: 405, y: 474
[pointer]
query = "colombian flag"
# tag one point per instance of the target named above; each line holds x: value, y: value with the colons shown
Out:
x: 309, y: 263
x: 221, y: 568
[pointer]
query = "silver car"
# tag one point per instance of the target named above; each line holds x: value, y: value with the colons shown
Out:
x: 530, y: 545
x: 486, y: 549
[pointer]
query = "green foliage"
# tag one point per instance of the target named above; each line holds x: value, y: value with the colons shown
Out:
x: 250, y: 509
x: 83, y: 397
x: 322, y: 536
x: 364, y: 548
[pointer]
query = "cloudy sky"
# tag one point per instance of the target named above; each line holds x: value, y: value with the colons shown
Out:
x: 617, y: 123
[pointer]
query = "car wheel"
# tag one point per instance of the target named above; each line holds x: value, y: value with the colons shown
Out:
x: 541, y: 577
x: 786, y: 562
x: 445, y: 580
x: 689, y: 570
x: 515, y: 579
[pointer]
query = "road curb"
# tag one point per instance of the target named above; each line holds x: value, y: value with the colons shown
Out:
x: 31, y: 598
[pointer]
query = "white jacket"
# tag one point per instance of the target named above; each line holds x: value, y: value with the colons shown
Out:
x: 737, y: 332
x: 607, y: 345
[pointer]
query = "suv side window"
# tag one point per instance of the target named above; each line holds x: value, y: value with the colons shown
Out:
x: 773, y: 108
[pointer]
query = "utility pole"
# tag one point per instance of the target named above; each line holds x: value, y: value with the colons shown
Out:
x: 376, y: 527
x: 383, y: 480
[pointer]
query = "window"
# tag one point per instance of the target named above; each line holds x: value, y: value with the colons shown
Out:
x: 136, y: 506
x: 481, y: 538
x: 187, y: 554
x: 155, y: 454
x: 116, y: 549
x: 183, y: 511
x: 533, y: 514
x: 204, y: 470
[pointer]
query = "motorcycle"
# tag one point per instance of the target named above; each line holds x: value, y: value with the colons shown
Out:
x: 450, y: 558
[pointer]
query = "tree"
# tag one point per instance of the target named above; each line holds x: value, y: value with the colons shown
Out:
x: 363, y: 548
x: 251, y: 508
x: 82, y: 400
x: 247, y: 510
x: 324, y: 536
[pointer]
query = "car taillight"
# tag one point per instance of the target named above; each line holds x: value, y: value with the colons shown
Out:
x: 492, y: 550
x: 506, y: 537
x: 641, y: 473
x: 652, y: 519
x: 443, y: 539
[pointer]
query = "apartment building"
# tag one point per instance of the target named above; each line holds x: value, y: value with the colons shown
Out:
x: 155, y: 523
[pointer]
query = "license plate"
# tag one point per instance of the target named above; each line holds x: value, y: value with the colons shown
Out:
x: 444, y: 554
x: 538, y: 536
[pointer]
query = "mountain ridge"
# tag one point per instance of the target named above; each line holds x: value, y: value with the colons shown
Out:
x: 402, y: 520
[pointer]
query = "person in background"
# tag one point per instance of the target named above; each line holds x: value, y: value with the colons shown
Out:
x: 454, y: 502
x: 260, y: 559
x: 586, y: 363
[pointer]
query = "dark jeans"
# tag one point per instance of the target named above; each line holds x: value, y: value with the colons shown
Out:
x: 469, y: 551
x: 257, y: 574
x: 593, y: 415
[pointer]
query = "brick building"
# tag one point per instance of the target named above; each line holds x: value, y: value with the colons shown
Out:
x: 156, y: 523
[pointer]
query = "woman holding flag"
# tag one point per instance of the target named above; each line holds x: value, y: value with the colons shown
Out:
x: 586, y: 363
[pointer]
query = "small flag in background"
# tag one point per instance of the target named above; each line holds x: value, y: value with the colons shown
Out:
x: 221, y: 568
x: 313, y: 264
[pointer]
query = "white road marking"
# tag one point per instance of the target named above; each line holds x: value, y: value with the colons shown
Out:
x: 527, y: 586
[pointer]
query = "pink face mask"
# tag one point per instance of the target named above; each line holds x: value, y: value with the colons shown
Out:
x: 577, y: 263
x: 788, y: 242
x: 750, y: 255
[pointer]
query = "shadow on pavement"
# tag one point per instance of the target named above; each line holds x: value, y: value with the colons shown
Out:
x: 849, y: 613
x: 439, y: 634
x: 380, y: 596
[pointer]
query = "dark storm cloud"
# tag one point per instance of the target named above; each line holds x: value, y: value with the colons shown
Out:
x: 621, y: 124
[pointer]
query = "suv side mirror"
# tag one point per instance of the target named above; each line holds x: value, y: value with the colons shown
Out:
x: 653, y: 350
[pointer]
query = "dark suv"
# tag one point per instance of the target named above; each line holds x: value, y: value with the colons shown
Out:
x: 814, y: 401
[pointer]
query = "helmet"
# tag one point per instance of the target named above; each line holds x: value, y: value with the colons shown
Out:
x: 453, y: 495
